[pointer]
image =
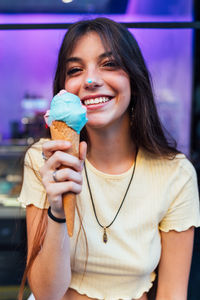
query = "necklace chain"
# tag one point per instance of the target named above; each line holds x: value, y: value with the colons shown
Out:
x: 105, y: 237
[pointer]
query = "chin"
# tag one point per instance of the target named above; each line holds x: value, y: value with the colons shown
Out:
x: 97, y: 123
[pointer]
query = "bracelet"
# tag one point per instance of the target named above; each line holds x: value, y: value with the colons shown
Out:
x: 55, y: 219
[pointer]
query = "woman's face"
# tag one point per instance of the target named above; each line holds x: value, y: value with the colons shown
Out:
x: 108, y: 96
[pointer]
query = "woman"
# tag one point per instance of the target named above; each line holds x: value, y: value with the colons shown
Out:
x: 137, y: 196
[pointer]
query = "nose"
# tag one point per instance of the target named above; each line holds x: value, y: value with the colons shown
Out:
x: 92, y: 81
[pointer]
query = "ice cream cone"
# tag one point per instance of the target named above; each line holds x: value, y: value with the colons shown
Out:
x: 60, y: 131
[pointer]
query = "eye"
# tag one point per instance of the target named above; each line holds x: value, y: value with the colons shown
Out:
x: 112, y: 64
x: 73, y: 71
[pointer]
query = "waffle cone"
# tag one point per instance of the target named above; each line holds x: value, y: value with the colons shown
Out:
x: 60, y: 131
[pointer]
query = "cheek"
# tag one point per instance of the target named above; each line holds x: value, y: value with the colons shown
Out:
x: 124, y: 87
x: 72, y: 85
x: 120, y: 82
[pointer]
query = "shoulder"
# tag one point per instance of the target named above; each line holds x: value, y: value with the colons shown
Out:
x: 178, y: 166
x: 186, y: 167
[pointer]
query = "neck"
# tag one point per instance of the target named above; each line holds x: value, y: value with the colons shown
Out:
x: 111, y: 150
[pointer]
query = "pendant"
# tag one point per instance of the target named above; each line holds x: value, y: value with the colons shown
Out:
x: 105, y: 237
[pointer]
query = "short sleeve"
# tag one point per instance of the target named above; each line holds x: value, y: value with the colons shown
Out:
x: 33, y: 191
x: 183, y: 211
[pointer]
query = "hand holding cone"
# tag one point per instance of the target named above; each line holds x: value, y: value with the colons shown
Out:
x: 66, y: 118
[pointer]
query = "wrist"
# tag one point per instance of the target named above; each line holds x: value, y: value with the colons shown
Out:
x: 58, y: 214
x: 55, y: 216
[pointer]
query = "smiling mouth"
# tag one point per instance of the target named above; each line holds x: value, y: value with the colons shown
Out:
x: 97, y: 100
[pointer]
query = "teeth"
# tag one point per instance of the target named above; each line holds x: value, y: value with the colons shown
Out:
x: 96, y: 100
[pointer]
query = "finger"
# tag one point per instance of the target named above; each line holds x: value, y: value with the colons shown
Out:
x: 60, y: 158
x: 50, y: 147
x: 59, y: 188
x: 82, y: 150
x: 67, y: 174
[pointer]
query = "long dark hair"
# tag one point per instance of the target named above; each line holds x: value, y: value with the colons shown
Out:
x: 146, y: 129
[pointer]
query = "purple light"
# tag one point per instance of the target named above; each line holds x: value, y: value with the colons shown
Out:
x: 28, y: 61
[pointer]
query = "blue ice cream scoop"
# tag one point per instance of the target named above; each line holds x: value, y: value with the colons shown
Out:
x: 67, y: 107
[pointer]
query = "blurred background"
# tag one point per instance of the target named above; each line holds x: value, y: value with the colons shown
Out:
x: 168, y: 33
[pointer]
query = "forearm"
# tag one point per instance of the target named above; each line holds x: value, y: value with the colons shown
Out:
x: 50, y: 274
x: 171, y: 297
x: 174, y: 266
x: 171, y: 292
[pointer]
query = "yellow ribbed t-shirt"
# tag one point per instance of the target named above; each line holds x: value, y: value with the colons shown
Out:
x: 163, y: 196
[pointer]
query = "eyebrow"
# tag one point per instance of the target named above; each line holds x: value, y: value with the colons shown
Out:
x: 78, y: 59
x: 105, y: 54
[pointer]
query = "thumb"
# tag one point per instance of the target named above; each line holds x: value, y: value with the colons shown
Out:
x: 82, y: 151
